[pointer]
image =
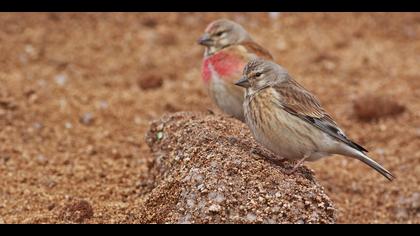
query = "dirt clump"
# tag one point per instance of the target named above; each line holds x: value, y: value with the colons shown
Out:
x: 205, y: 172
x: 150, y: 82
x: 371, y: 107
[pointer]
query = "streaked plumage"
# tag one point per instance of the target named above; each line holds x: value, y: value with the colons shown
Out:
x: 228, y: 48
x: 290, y: 121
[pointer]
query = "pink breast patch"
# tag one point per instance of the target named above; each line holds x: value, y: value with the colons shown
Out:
x: 224, y: 64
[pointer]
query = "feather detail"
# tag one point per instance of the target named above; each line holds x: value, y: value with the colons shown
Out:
x: 254, y: 48
x: 299, y: 102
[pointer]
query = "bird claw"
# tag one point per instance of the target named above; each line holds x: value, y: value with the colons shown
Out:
x: 298, y: 164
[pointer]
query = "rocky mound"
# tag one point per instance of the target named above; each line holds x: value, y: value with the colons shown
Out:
x: 206, y: 172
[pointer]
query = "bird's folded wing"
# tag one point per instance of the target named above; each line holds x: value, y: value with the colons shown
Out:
x: 299, y: 102
x: 256, y: 49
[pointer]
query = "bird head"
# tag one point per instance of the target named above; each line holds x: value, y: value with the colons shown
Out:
x: 222, y: 33
x: 259, y: 73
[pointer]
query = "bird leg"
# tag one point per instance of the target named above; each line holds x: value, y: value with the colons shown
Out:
x: 300, y: 162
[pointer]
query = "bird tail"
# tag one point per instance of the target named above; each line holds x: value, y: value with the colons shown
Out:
x: 368, y: 161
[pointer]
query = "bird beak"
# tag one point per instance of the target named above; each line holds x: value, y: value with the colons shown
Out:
x: 205, y: 40
x: 243, y: 82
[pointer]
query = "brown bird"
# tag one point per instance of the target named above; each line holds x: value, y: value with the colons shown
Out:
x: 228, y: 47
x: 290, y: 121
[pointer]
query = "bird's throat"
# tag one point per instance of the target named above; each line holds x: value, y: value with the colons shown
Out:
x: 223, y: 64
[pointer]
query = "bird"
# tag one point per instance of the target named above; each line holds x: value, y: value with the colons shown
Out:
x: 289, y: 121
x: 228, y: 47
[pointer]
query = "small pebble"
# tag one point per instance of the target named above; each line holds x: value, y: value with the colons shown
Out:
x: 103, y: 104
x: 61, y: 79
x: 87, y: 118
x: 232, y: 140
x: 215, y: 208
x: 251, y: 217
x: 401, y: 213
x: 281, y: 45
x: 91, y: 150
x: 300, y: 222
x: 29, y: 49
x: 68, y: 125
x: 50, y: 183
x: 415, y: 200
x: 37, y: 125
x: 417, y: 131
x: 41, y: 159
x: 159, y: 135
x: 380, y: 151
x: 42, y: 83
x: 329, y: 65
x: 51, y: 206
x: 138, y: 120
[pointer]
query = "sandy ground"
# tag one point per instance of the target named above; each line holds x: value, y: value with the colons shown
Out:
x: 78, y: 91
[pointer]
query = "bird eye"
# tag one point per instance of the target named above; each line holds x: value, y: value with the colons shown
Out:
x: 220, y: 33
x: 258, y: 74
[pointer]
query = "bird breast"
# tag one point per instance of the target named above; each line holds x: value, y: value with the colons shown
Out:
x: 224, y: 64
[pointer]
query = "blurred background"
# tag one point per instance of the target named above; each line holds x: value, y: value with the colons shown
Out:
x: 77, y: 93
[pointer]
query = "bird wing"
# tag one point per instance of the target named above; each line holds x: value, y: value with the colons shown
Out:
x: 299, y: 102
x: 256, y: 49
